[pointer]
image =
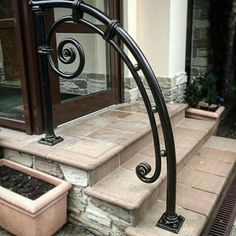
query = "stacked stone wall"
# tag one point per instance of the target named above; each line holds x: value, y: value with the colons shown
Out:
x: 200, y: 37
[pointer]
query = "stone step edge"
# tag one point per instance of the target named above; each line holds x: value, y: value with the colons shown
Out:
x: 110, y: 154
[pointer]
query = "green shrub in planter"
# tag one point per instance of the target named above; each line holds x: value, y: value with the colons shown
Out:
x: 193, y: 93
x: 208, y: 84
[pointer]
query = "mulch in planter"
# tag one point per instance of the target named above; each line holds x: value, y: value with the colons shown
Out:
x: 22, y: 183
x: 227, y: 127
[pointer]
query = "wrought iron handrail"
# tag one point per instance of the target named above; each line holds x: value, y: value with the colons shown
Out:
x: 169, y: 220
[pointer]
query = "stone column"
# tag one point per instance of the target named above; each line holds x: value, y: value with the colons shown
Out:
x: 161, y: 34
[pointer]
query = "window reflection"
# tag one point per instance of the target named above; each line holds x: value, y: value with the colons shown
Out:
x: 5, y: 9
x: 11, y: 103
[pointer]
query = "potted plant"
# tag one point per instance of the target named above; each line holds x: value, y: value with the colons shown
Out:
x: 202, y: 97
x: 21, y: 215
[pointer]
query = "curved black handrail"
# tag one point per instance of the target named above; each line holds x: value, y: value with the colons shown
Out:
x: 67, y: 55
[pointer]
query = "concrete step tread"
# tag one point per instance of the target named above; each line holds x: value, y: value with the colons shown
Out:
x: 124, y: 189
x: 199, y: 186
x: 192, y: 224
x: 91, y: 141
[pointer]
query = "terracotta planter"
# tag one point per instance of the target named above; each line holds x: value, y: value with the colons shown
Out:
x: 41, y: 217
x: 204, y: 115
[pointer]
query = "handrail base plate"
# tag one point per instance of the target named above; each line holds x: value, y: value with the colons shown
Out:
x: 51, y: 141
x: 173, y: 225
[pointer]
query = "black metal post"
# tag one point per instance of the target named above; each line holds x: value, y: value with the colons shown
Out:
x: 43, y: 51
x: 169, y: 220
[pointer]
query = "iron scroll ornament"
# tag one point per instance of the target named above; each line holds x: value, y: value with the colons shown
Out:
x: 170, y: 220
x: 66, y: 55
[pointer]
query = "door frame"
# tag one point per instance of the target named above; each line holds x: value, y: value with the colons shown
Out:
x: 78, y: 107
x: 16, y: 24
x: 31, y: 88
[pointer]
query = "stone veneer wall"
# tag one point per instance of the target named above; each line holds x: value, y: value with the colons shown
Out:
x: 200, y: 37
x: 172, y: 88
x: 100, y: 218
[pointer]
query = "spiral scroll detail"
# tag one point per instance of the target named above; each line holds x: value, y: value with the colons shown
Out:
x: 143, y: 169
x: 67, y: 55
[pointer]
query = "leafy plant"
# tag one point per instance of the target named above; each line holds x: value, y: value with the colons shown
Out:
x: 193, y: 93
x: 208, y: 85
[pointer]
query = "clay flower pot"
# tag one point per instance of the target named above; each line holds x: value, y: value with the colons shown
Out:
x: 203, y: 114
x: 41, y: 217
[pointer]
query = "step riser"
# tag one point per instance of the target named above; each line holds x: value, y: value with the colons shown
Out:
x: 181, y: 165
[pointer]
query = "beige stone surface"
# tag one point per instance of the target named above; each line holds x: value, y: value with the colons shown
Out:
x: 217, y: 154
x: 105, y: 169
x: 193, y: 199
x: 200, y: 180
x: 130, y: 126
x: 112, y: 135
x: 47, y: 166
x: 37, y: 149
x: 140, y: 158
x: 78, y: 130
x: 13, y: 139
x: 137, y: 117
x: 116, y: 114
x: 210, y: 166
x: 128, y: 152
x: 122, y: 188
x: 196, y: 124
x: 132, y: 108
x: 85, y: 154
x: 180, y: 152
x: 187, y: 138
x: 19, y: 157
x: 192, y: 226
x: 220, y: 143
x: 100, y: 121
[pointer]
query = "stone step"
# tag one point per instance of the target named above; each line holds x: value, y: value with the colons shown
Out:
x: 123, y: 189
x: 93, y: 146
x: 200, y: 184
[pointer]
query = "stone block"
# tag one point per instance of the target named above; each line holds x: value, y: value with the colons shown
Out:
x: 75, y: 176
x: 201, y: 33
x: 171, y: 98
x: 201, y: 4
x: 181, y: 79
x: 166, y: 83
x: 201, y: 43
x: 201, y: 62
x: 77, y: 202
x: 202, y: 52
x: 119, y: 225
x: 82, y: 221
x: 19, y: 157
x: 130, y: 83
x: 170, y: 92
x: 195, y: 72
x: 113, y: 211
x: 131, y: 94
x: 49, y: 167
x: 95, y: 214
x: 202, y: 23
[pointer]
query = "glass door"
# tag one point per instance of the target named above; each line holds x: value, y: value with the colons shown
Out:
x: 14, y: 109
x: 99, y: 84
